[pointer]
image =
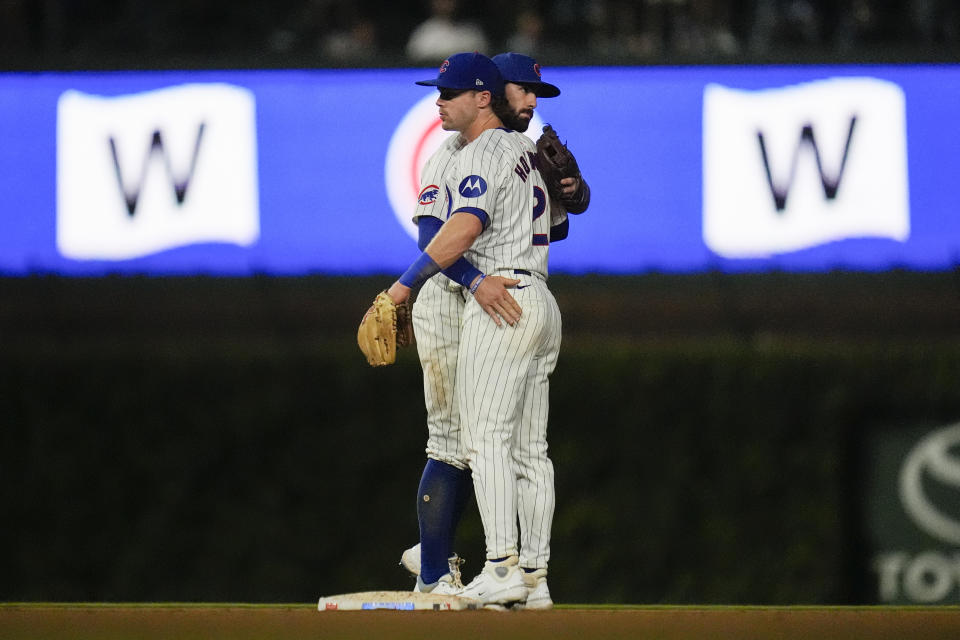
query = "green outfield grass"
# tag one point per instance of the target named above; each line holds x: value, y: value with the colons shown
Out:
x: 209, y: 621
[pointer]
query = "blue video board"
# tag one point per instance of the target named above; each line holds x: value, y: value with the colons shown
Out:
x: 800, y: 168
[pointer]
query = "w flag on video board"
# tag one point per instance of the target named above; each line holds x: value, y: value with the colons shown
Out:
x: 141, y: 173
x: 790, y: 168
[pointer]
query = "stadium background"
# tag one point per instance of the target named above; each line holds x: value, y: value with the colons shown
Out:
x: 201, y: 438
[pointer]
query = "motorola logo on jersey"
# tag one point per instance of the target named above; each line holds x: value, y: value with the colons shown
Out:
x: 416, y: 138
x: 472, y: 187
x: 795, y: 167
x: 143, y: 173
x: 429, y: 194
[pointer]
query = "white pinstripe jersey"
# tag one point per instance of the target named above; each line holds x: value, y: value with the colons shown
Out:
x: 495, y: 177
x: 433, y: 200
x: 500, y: 158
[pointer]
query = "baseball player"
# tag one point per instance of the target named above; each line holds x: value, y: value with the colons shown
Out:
x: 448, y: 472
x: 523, y: 85
x: 445, y: 486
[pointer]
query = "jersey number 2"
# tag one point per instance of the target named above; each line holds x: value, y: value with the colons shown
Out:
x: 540, y: 239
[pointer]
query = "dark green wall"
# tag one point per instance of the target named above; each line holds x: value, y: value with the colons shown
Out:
x: 206, y: 439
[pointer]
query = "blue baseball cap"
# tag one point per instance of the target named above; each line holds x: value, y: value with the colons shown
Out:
x: 521, y: 69
x: 467, y: 71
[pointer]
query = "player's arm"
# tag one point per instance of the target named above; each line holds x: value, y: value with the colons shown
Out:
x: 462, y: 271
x: 559, y: 221
x: 449, y: 244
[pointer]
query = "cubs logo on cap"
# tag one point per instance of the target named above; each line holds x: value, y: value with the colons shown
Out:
x: 467, y: 71
x: 521, y: 69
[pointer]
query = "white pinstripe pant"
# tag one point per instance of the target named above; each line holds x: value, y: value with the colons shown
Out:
x: 503, y: 395
x: 437, y: 316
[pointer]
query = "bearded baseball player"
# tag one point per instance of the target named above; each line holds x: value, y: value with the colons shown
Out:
x: 445, y: 485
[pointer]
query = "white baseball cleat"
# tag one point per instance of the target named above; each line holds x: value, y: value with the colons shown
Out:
x: 500, y: 583
x: 539, y: 594
x: 410, y: 560
x: 447, y: 585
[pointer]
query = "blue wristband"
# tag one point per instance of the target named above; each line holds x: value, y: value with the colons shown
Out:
x: 559, y: 231
x: 420, y: 271
x: 462, y: 271
x: 476, y: 285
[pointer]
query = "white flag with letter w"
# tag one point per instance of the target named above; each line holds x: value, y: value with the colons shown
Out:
x: 790, y: 168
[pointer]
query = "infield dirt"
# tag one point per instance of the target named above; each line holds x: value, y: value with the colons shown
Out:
x: 293, y: 622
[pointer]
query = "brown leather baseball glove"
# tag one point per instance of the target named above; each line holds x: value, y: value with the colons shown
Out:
x: 384, y: 327
x: 555, y: 162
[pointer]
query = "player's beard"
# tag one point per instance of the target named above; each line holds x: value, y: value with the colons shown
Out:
x: 511, y: 119
x: 518, y: 121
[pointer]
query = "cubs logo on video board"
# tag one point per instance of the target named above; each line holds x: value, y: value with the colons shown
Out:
x: 415, y: 139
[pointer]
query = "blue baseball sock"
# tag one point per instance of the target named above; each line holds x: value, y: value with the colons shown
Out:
x: 464, y: 494
x: 441, y: 499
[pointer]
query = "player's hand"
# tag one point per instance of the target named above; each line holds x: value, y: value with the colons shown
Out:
x: 569, y: 187
x: 493, y: 297
x: 398, y: 292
